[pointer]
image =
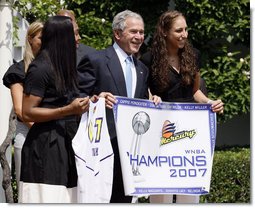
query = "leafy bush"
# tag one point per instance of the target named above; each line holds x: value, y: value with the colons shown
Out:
x: 221, y: 31
x: 230, y: 182
x: 33, y: 10
x: 98, y: 30
x: 229, y: 79
x: 214, y: 25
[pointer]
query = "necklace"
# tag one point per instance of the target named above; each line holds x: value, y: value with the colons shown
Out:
x: 174, y: 62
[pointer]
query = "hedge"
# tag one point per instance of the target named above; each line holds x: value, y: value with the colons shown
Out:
x: 230, y: 182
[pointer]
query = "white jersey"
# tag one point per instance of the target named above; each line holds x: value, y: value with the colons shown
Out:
x: 94, y: 156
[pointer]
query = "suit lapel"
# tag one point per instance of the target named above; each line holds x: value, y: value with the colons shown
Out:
x: 116, y: 71
x: 140, y: 79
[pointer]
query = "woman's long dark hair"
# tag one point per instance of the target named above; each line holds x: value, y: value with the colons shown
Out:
x: 58, y: 43
x: 160, y: 62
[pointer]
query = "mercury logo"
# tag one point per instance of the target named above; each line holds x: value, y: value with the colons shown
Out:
x: 169, y: 135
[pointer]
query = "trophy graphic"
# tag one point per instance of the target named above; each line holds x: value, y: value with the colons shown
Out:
x: 141, y: 124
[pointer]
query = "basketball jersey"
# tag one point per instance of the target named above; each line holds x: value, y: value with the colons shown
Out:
x: 94, y: 156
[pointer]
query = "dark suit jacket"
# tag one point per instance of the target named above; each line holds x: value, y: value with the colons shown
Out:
x: 82, y: 51
x: 101, y: 72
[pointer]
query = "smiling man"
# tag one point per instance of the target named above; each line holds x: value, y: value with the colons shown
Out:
x: 105, y: 73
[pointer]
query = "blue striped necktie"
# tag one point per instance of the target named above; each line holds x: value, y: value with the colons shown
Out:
x: 128, y: 77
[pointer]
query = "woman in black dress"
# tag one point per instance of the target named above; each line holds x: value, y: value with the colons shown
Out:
x: 48, y: 172
x: 174, y: 74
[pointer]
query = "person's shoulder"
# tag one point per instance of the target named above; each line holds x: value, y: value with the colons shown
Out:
x: 20, y: 64
x: 146, y: 58
x: 85, y: 48
x: 14, y: 74
x: 17, y: 66
x: 83, y: 51
x: 197, y: 56
x: 140, y: 64
x: 41, y: 64
x: 196, y: 51
x: 146, y: 55
x: 101, y: 55
x: 105, y: 52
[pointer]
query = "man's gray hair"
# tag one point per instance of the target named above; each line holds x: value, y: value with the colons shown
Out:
x: 119, y: 21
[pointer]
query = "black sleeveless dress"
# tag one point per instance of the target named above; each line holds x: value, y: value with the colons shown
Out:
x: 47, y: 155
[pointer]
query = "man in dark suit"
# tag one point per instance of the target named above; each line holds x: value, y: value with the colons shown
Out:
x: 103, y: 73
x: 82, y: 50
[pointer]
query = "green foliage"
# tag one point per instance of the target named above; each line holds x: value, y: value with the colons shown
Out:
x: 98, y: 30
x: 33, y: 10
x: 215, y: 28
x: 94, y: 19
x: 219, y: 28
x: 229, y: 79
x: 230, y: 182
x: 15, y: 21
x: 214, y: 24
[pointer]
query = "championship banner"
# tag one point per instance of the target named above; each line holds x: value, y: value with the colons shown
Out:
x: 165, y: 149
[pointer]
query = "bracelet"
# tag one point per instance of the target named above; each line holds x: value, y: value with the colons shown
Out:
x: 209, y: 101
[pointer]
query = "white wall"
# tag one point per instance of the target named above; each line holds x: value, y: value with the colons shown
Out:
x: 5, y: 62
x: 8, y: 53
x: 18, y: 45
